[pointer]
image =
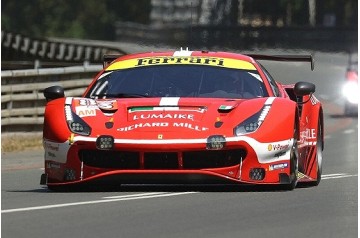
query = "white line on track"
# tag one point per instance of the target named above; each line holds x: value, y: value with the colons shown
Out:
x: 334, y: 176
x: 116, y: 199
x: 349, y: 131
x: 136, y: 197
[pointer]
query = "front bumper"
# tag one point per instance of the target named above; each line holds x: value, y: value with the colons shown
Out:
x: 172, y: 163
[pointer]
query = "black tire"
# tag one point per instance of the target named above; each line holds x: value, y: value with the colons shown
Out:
x: 294, y: 160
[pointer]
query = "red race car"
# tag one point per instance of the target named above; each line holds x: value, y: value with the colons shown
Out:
x: 185, y: 117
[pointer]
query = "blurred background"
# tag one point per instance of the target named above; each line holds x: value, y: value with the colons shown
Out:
x: 54, y: 31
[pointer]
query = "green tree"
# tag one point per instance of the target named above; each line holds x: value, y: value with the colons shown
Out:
x: 90, y: 19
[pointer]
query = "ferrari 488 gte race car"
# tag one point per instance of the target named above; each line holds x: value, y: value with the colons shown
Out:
x: 185, y: 117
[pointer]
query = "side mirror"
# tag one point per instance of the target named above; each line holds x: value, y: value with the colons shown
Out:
x: 54, y: 92
x: 304, y: 88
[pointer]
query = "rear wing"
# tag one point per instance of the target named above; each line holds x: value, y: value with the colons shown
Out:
x: 289, y: 58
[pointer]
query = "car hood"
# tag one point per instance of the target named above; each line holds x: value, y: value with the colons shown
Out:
x: 173, y: 117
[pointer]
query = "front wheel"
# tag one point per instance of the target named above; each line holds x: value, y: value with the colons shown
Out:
x: 319, y: 156
x: 294, y: 166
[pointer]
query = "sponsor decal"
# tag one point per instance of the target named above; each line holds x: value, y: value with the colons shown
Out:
x: 163, y: 124
x: 51, y: 146
x: 51, y: 154
x: 279, y: 154
x: 163, y: 116
x: 85, y: 107
x: 56, y: 151
x: 106, y: 104
x: 274, y: 147
x: 52, y: 165
x: 181, y: 60
x: 307, y: 134
x: 278, y: 166
x: 143, y: 125
x: 190, y: 126
x: 87, y: 102
x: 84, y: 111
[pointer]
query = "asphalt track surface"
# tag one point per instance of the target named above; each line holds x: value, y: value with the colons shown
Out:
x: 329, y: 210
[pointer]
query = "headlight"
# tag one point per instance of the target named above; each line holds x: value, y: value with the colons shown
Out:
x: 351, y: 92
x: 75, y: 123
x: 215, y: 142
x: 252, y: 123
x: 248, y: 126
x: 105, y: 142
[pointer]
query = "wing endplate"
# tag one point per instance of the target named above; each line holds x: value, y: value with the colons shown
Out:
x: 289, y: 58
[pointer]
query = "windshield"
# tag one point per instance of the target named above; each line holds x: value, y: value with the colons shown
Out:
x: 179, y: 81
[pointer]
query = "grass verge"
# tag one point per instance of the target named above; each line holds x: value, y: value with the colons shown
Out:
x: 20, y: 142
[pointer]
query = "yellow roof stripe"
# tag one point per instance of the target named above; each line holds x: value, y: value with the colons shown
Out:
x: 182, y: 60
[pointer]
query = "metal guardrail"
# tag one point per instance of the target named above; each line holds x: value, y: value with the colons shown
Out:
x: 50, y: 52
x: 22, y: 100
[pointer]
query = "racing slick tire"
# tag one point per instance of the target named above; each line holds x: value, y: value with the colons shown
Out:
x: 294, y: 166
